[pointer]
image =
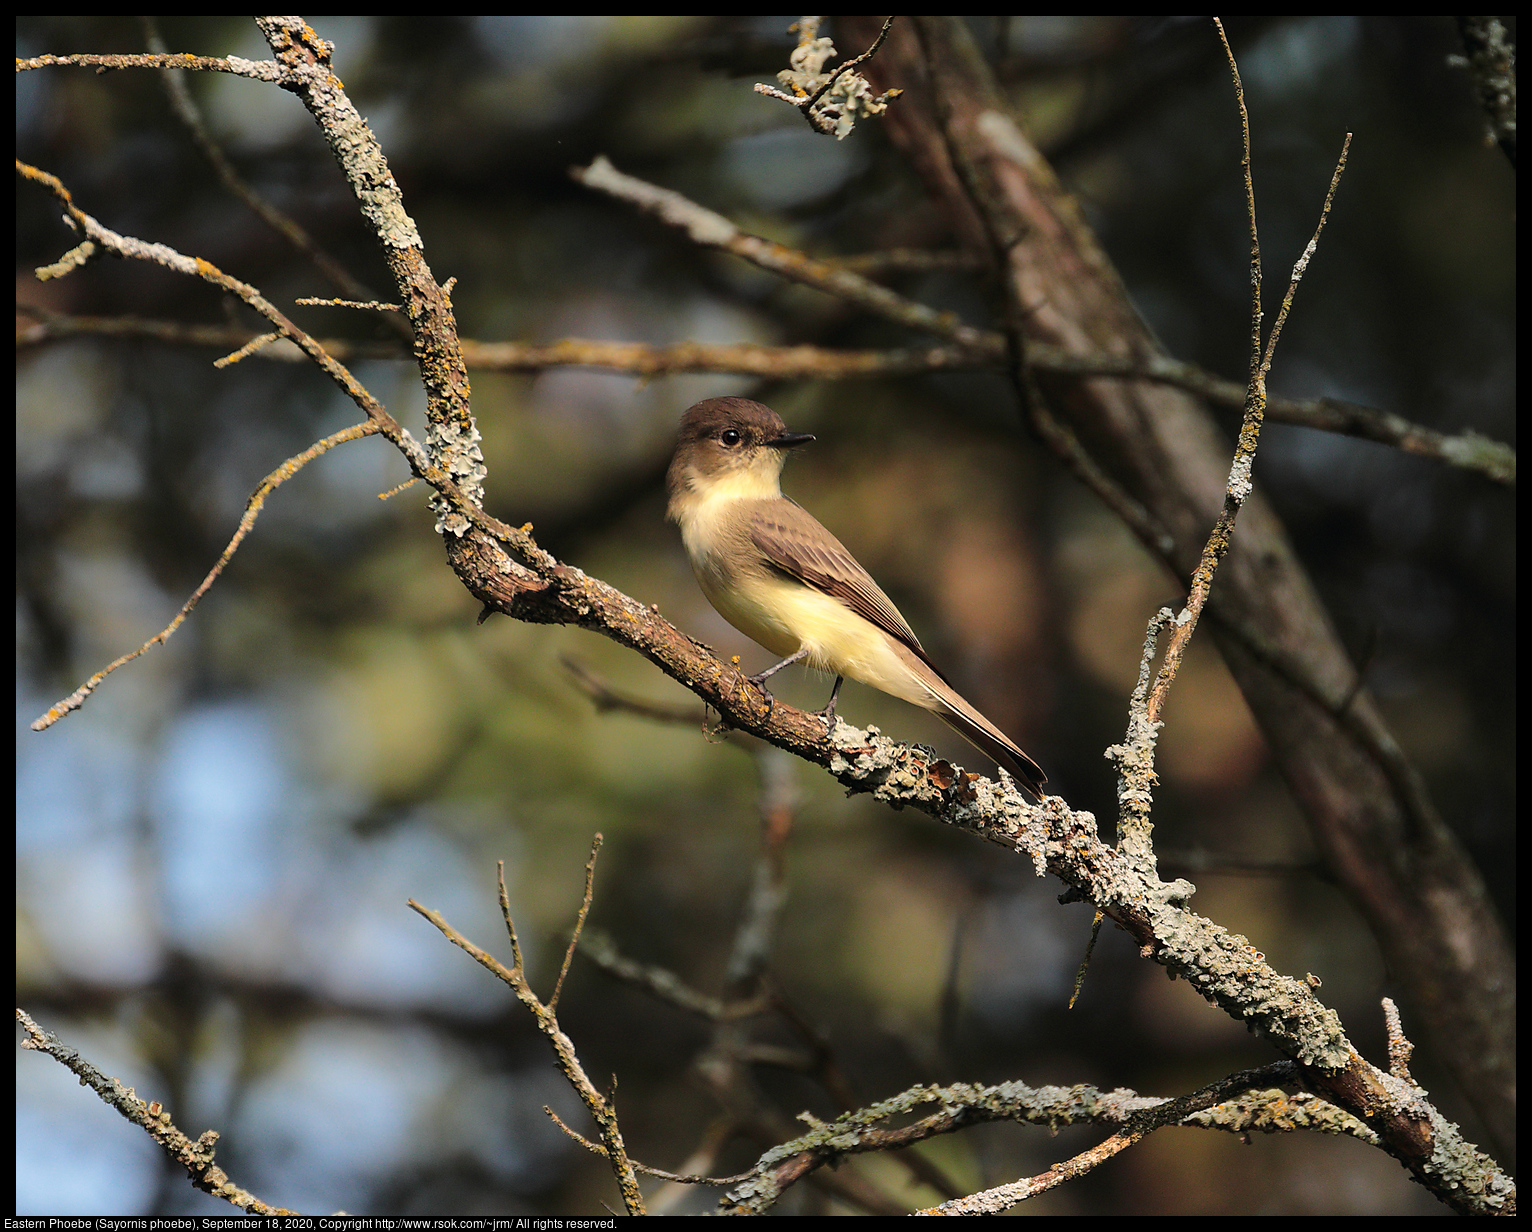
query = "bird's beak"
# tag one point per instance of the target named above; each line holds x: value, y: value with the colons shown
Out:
x: 790, y: 440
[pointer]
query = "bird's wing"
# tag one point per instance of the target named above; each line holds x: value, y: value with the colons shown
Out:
x: 794, y: 542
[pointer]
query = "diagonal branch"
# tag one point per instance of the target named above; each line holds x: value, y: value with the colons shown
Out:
x: 1239, y: 1103
x: 284, y: 225
x: 196, y: 1157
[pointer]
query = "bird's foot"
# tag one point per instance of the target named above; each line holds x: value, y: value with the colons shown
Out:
x: 760, y: 683
x: 828, y: 713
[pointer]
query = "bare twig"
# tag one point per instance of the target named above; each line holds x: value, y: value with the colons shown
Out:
x: 680, y: 1178
x: 1468, y: 450
x: 447, y: 483
x: 662, y: 983
x: 606, y: 698
x: 365, y: 305
x: 1302, y: 264
x: 289, y: 229
x: 1239, y: 483
x: 1236, y: 1104
x: 1169, y: 1112
x: 712, y: 230
x: 905, y: 260
x: 987, y: 348
x: 1135, y: 757
x: 1090, y: 947
x: 257, y: 70
x: 380, y: 421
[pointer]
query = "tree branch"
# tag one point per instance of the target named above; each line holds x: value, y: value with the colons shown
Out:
x: 1372, y: 821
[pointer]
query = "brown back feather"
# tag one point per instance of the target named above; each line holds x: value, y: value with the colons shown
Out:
x: 794, y: 542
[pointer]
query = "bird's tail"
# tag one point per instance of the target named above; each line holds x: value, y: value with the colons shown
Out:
x: 957, y: 714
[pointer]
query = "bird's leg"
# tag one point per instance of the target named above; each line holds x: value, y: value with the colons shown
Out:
x: 760, y: 681
x: 772, y: 671
x: 828, y: 713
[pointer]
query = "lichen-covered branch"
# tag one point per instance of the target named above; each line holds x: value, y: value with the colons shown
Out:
x: 1240, y: 1103
x: 194, y: 1156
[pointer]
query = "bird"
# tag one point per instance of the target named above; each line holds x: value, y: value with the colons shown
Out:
x: 778, y: 576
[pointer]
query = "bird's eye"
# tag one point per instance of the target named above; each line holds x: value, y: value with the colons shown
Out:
x: 729, y: 437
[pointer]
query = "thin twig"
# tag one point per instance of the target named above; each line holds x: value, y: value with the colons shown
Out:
x: 505, y: 914
x: 258, y: 70
x: 662, y: 983
x: 246, y: 522
x: 1090, y: 947
x: 1255, y: 239
x: 1239, y: 482
x: 1236, y: 1104
x: 595, y: 1148
x: 606, y: 698
x: 574, y: 937
x: 1468, y: 450
x: 185, y: 107
x: 463, y: 503
x: 1170, y: 1112
x: 1302, y: 264
x: 712, y: 230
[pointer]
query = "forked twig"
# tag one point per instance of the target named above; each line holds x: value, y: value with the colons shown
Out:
x: 595, y: 1148
x: 602, y: 1108
x: 1238, y: 487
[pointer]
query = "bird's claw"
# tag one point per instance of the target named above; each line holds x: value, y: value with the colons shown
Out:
x: 760, y: 683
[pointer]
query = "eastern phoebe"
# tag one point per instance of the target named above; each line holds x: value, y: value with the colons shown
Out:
x: 779, y: 577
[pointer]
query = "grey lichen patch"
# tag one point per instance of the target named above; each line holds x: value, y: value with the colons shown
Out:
x: 1175, y: 893
x: 455, y: 448
x: 846, y: 95
x: 1226, y: 970
x: 1454, y: 1156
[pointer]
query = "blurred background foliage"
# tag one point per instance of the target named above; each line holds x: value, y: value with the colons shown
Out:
x: 213, y: 856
